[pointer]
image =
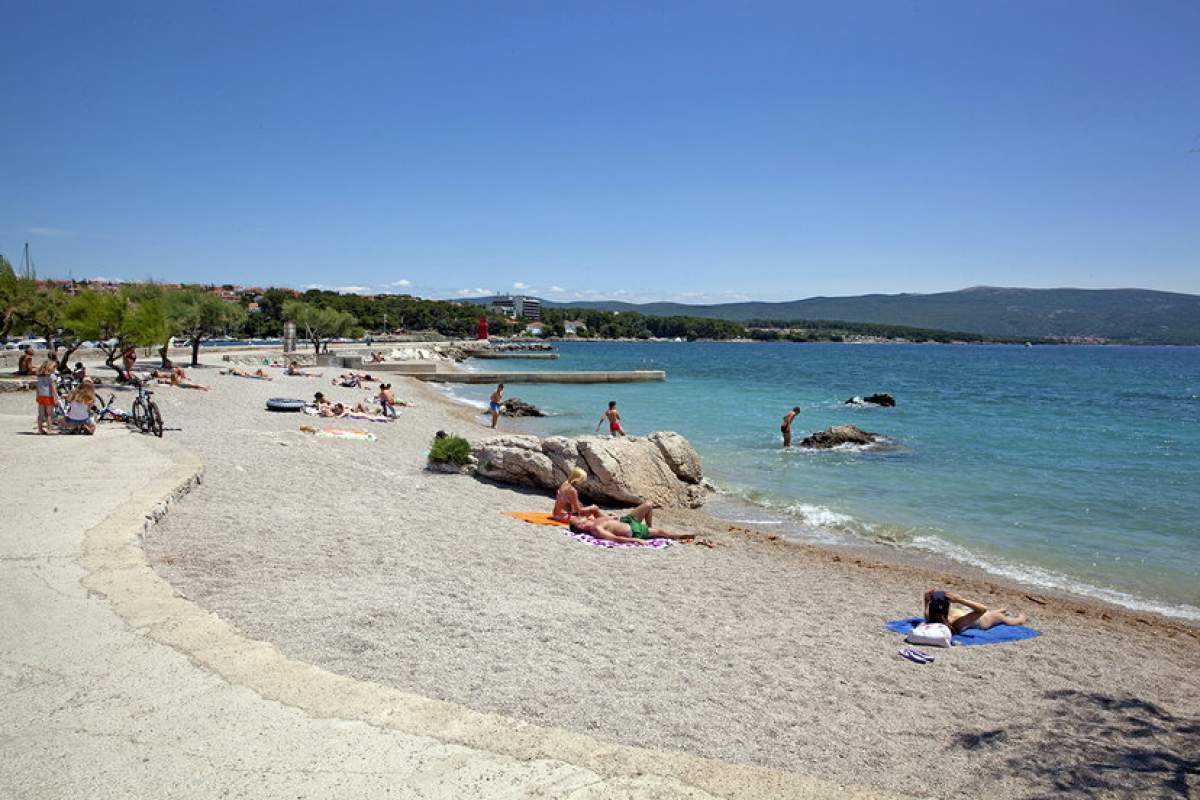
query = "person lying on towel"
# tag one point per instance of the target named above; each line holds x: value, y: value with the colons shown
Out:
x: 961, y: 614
x: 635, y: 526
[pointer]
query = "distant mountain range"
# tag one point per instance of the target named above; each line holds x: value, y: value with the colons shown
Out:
x: 1121, y: 315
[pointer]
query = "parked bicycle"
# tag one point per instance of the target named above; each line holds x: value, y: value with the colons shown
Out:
x: 145, y: 414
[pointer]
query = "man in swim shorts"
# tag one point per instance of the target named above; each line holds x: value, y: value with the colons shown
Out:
x: 786, y: 427
x: 614, y: 420
x: 633, y: 527
x: 494, y: 403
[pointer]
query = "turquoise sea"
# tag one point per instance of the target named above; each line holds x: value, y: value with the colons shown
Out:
x: 1075, y: 468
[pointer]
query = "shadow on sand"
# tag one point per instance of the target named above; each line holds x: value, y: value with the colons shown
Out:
x: 1094, y: 745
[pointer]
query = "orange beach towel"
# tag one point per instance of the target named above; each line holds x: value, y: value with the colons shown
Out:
x: 534, y: 517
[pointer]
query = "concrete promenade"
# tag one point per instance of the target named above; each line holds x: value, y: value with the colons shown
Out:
x: 115, y: 686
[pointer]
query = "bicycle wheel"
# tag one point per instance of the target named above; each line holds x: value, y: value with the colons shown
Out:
x: 154, y: 419
x: 139, y: 415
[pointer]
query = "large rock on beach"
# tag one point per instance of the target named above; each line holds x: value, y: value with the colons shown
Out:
x: 515, y: 407
x: 662, y: 467
x: 838, y: 435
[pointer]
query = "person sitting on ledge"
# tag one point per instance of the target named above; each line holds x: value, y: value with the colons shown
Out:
x: 632, y: 528
x: 960, y: 614
x: 566, y: 499
x: 25, y: 362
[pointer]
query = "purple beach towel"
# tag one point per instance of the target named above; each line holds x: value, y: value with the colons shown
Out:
x: 587, y: 538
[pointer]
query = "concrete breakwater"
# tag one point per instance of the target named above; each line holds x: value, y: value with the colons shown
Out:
x: 629, y: 376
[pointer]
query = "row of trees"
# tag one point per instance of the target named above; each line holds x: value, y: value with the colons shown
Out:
x: 140, y: 315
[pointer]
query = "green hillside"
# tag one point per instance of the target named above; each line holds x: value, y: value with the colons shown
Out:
x: 1120, y: 315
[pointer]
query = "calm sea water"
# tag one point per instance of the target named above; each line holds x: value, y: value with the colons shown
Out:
x: 1069, y: 467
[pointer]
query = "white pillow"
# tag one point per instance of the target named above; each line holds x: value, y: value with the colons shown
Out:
x: 931, y: 634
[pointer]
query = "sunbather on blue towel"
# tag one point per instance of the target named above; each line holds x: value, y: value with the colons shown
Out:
x: 962, y: 614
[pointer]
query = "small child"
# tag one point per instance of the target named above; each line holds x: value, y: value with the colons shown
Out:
x: 47, y: 396
x: 614, y: 420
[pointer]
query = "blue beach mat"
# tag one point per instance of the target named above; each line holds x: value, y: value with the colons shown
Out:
x: 1000, y: 633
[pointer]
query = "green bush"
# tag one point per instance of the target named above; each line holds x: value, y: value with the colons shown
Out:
x: 450, y: 450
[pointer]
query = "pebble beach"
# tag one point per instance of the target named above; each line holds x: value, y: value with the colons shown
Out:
x: 352, y: 556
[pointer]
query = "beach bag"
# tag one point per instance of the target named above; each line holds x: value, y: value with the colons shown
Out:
x: 930, y: 634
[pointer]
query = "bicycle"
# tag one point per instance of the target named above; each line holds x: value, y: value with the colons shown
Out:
x: 145, y: 415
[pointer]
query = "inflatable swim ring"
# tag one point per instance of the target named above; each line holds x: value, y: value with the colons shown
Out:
x: 284, y: 404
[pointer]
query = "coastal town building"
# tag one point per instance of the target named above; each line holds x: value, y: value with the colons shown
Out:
x: 517, y: 307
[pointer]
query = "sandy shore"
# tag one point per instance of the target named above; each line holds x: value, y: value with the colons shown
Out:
x: 351, y: 556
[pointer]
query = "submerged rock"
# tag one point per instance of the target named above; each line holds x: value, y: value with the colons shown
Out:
x: 881, y: 399
x: 662, y: 467
x: 838, y: 435
x: 515, y: 407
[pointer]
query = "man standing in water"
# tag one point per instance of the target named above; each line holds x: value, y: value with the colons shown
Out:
x: 494, y: 404
x: 614, y: 420
x: 786, y: 427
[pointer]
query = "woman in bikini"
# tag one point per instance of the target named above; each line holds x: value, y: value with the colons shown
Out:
x: 566, y: 499
x: 961, y: 614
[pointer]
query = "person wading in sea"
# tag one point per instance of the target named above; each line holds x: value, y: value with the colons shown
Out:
x: 494, y: 404
x: 786, y: 427
x: 614, y: 420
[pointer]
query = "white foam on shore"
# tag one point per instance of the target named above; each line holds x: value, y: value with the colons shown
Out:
x: 809, y: 522
x: 449, y: 390
x: 1047, y: 579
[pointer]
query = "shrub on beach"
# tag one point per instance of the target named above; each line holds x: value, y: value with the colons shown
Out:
x: 450, y: 450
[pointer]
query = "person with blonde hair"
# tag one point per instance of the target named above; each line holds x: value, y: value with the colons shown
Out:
x: 566, y: 499
x: 47, y: 395
x: 79, y: 409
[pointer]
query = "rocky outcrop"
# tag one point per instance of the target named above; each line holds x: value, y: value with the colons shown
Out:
x: 662, y: 467
x: 882, y: 399
x: 838, y: 435
x: 515, y: 407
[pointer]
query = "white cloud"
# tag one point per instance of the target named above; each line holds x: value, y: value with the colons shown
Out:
x: 519, y: 285
x: 401, y: 282
x: 57, y: 233
x: 557, y: 289
x: 476, y: 292
x: 103, y: 279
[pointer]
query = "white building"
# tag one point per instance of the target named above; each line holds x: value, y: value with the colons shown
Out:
x: 517, y: 307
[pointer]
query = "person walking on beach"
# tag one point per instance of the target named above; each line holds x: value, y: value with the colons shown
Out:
x: 47, y: 396
x: 786, y: 427
x: 494, y: 404
x: 614, y: 420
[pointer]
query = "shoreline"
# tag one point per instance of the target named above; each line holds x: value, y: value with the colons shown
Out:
x: 757, y: 651
x: 927, y: 562
x: 353, y: 558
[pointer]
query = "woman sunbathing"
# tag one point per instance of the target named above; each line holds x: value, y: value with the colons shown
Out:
x: 241, y: 373
x: 293, y: 368
x: 566, y: 499
x: 632, y: 528
x: 961, y: 614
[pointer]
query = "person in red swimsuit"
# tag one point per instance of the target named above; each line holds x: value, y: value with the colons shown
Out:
x: 614, y: 420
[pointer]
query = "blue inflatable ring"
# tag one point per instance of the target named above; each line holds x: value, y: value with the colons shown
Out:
x: 284, y: 404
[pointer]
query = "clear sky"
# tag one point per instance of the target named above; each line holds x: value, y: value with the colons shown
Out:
x: 644, y: 150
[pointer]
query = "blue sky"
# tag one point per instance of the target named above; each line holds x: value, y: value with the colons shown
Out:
x: 690, y: 151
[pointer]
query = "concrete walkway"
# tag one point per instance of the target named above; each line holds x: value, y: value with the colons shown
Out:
x: 116, y: 686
